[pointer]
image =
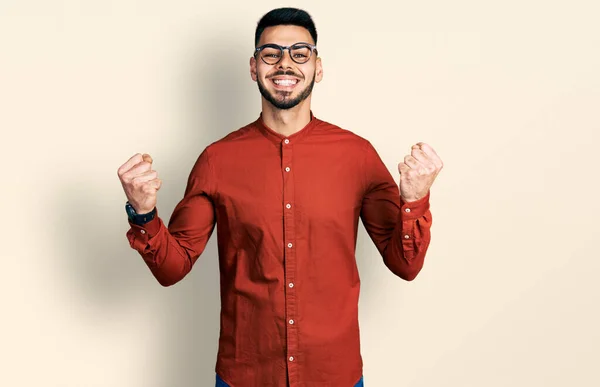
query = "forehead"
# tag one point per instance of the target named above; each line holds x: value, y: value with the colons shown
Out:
x: 285, y: 35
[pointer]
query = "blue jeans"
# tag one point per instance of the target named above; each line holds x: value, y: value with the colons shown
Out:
x: 221, y: 383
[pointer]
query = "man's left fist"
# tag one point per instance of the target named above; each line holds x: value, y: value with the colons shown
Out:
x: 418, y: 171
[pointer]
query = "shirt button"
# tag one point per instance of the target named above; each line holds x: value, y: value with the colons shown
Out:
x: 288, y: 206
x: 286, y: 141
x: 291, y: 358
x: 142, y: 231
x: 287, y: 169
x: 291, y: 285
x: 290, y: 245
x: 291, y: 321
x: 407, y: 210
x: 406, y: 236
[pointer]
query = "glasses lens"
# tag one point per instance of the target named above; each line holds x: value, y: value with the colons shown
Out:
x: 270, y: 55
x: 300, y: 54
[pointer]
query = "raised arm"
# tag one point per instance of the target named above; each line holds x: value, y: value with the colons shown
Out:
x: 399, y: 225
x: 171, y: 251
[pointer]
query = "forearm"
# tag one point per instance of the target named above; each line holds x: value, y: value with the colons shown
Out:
x: 170, y: 252
x: 166, y: 260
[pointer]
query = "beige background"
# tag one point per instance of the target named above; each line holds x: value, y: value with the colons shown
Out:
x: 508, y: 93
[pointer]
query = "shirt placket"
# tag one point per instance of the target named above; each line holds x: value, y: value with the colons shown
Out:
x: 290, y: 262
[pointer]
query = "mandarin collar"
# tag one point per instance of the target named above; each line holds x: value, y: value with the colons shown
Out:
x: 277, y: 137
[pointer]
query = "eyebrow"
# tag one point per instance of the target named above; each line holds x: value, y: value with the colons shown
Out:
x: 286, y: 45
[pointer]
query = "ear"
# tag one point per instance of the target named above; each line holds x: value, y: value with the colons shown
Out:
x: 253, y: 74
x: 319, y: 70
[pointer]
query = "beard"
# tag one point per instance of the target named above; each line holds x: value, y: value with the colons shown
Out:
x: 282, y: 99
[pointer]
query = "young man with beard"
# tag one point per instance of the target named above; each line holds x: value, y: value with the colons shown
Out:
x: 286, y: 193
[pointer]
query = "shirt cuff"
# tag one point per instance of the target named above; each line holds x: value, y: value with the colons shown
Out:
x: 414, y: 209
x: 147, y: 230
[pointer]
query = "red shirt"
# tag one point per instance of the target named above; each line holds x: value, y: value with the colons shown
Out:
x: 286, y: 211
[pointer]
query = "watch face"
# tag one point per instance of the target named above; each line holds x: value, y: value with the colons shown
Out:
x: 130, y: 211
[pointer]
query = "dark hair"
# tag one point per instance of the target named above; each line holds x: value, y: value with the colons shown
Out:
x: 285, y: 16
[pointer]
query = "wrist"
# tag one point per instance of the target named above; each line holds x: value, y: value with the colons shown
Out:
x: 139, y: 218
x: 409, y: 199
x: 143, y: 211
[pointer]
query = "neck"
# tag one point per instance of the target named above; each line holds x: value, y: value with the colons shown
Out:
x: 286, y: 121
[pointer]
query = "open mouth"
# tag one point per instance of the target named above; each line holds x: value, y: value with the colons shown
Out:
x: 285, y: 83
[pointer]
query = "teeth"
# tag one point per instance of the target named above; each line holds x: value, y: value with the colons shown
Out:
x: 285, y: 82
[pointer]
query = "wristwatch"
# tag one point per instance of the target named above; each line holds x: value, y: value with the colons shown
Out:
x: 139, y: 219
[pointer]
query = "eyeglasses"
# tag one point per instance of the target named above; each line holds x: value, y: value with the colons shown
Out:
x: 271, y: 53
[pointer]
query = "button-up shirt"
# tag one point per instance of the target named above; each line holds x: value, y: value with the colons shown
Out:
x: 286, y: 209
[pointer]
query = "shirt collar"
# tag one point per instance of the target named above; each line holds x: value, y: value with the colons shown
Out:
x: 277, y: 137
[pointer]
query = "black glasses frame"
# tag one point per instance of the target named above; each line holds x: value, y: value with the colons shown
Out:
x: 312, y: 47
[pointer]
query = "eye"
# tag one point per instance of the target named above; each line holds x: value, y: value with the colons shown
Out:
x: 301, y: 52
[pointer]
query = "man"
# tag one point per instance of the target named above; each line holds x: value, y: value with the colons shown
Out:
x: 286, y: 193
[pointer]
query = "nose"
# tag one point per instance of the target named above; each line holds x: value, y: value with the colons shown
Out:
x: 286, y: 59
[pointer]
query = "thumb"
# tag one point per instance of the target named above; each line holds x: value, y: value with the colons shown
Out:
x: 155, y: 183
x: 403, y: 168
x: 147, y: 158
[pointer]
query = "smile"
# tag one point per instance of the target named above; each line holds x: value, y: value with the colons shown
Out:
x: 285, y: 83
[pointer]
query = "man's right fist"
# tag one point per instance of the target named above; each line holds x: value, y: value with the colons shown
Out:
x: 140, y: 182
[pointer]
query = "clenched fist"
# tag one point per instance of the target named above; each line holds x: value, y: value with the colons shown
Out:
x: 418, y: 171
x: 140, y: 182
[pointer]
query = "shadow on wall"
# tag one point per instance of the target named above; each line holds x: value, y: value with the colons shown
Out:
x: 190, y: 355
x: 107, y: 279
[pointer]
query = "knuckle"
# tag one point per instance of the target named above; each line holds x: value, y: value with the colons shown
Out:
x: 142, y: 166
x: 122, y: 171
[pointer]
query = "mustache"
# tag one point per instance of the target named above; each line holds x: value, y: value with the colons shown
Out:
x: 286, y: 73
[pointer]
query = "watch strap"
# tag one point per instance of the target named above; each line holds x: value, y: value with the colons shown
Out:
x: 139, y: 219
